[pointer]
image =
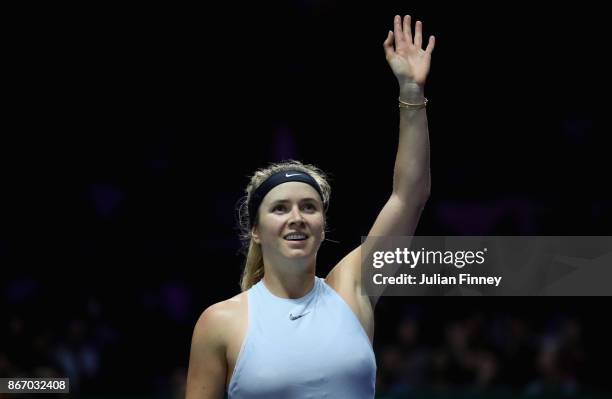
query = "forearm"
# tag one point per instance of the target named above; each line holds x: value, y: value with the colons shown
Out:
x: 411, y: 179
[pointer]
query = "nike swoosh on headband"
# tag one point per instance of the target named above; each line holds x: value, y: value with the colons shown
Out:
x: 295, y: 174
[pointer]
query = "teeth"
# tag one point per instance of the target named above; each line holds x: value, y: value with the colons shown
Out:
x: 295, y: 237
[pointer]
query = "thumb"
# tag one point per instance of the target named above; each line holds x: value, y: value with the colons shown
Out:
x: 388, y: 45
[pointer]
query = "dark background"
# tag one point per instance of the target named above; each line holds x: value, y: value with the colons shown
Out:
x: 130, y: 133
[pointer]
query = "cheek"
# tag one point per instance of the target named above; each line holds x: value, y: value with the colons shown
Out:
x: 318, y: 224
x: 264, y: 226
x: 274, y: 225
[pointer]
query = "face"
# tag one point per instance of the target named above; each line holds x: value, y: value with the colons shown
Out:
x: 289, y: 209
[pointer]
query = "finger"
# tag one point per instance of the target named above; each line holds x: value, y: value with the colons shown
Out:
x: 388, y: 45
x: 431, y: 44
x: 408, y: 28
x: 418, y: 34
x: 397, y: 30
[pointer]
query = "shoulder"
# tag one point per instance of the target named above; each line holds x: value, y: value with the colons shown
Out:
x: 208, y: 361
x: 345, y: 279
x: 216, y: 319
x: 345, y: 275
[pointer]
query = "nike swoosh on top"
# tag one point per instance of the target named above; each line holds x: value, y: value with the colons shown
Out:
x: 292, y: 317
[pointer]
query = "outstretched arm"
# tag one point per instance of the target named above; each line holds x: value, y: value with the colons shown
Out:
x: 411, y: 179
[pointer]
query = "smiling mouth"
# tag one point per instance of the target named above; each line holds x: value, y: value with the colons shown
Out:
x: 295, y: 237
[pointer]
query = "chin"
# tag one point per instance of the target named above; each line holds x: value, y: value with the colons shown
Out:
x: 298, y: 254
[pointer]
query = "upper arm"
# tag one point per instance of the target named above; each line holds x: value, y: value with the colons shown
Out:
x: 207, y: 360
x: 399, y: 217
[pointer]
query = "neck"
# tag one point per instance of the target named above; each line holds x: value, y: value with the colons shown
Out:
x: 292, y: 285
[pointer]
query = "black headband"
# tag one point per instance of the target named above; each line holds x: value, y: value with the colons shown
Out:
x: 273, y: 181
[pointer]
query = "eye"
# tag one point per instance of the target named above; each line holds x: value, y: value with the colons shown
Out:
x: 278, y: 208
x: 310, y: 206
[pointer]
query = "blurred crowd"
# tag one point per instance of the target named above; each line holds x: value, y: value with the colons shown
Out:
x: 481, y: 353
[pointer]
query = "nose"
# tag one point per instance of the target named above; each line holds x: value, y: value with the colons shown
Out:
x: 295, y: 217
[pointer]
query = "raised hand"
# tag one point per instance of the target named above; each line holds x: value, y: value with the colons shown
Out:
x: 409, y: 62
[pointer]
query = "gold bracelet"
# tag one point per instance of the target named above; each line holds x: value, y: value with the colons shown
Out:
x: 403, y: 104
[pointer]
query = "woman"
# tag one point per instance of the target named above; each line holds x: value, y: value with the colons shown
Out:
x: 290, y: 334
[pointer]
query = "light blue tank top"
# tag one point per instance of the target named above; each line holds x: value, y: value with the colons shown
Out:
x: 311, y: 347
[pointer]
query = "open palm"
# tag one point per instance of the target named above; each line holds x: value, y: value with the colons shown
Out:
x: 409, y: 62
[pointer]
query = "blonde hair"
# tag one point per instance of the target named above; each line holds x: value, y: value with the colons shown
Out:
x: 253, y: 265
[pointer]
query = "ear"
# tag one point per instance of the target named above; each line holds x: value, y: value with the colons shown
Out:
x: 255, y: 235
